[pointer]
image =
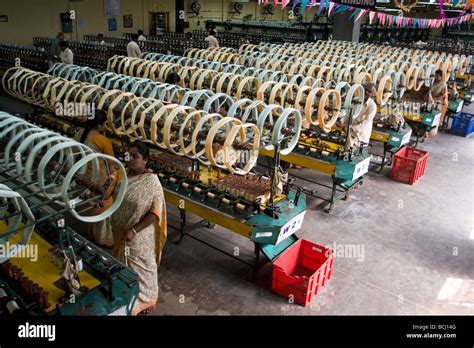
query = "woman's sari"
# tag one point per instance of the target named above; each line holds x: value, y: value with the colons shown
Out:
x: 142, y: 254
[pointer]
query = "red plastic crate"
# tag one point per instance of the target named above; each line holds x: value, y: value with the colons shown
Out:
x: 302, y: 271
x: 409, y: 165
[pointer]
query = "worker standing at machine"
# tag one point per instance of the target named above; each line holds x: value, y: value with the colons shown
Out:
x: 133, y: 50
x: 139, y: 227
x: 55, y: 50
x: 66, y: 56
x: 211, y: 39
x: 188, y: 37
x: 141, y: 37
x: 101, y: 232
x: 362, y: 125
x: 438, y: 94
x: 100, y: 39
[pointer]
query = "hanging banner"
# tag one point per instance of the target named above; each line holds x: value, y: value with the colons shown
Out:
x: 354, y: 13
x: 284, y: 3
x: 304, y: 3
x: 367, y: 4
x: 320, y: 7
x: 295, y: 3
x: 341, y: 9
x: 362, y: 13
x: 371, y: 16
x: 361, y: 7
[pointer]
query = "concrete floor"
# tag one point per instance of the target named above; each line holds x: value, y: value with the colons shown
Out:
x: 416, y: 248
x: 416, y: 244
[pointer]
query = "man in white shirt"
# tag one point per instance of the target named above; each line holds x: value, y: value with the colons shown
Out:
x: 55, y: 50
x: 133, y: 50
x: 211, y: 39
x: 66, y: 55
x: 100, y: 39
x: 141, y: 37
x: 362, y: 125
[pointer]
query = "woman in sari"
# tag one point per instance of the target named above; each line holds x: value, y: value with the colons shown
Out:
x: 139, y: 227
x: 439, y: 95
x: 91, y: 136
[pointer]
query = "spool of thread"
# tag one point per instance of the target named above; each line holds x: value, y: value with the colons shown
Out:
x: 29, y: 287
x: 161, y: 175
x: 51, y: 254
x: 312, y: 149
x: 197, y: 189
x: 324, y: 153
x: 44, y: 300
x: 12, y: 306
x: 211, y: 195
x: 80, y: 265
x: 185, y: 185
x: 12, y: 270
x: 22, y: 283
x: 36, y: 292
x: 16, y: 273
x: 173, y: 180
x: 225, y: 201
x: 240, y: 206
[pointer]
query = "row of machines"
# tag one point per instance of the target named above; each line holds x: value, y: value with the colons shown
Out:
x: 292, y: 103
x: 320, y: 107
x: 407, y: 68
x: 93, y: 52
x: 272, y: 31
x: 204, y: 160
x: 49, y: 182
x: 29, y: 57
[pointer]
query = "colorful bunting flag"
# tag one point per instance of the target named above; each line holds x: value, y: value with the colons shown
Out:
x: 320, y: 7
x: 284, y: 3
x: 361, y: 14
x: 383, y: 18
x: 331, y: 6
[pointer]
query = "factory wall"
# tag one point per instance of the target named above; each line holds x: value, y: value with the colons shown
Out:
x: 223, y: 10
x: 28, y: 18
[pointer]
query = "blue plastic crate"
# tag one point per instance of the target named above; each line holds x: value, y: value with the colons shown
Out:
x: 463, y: 124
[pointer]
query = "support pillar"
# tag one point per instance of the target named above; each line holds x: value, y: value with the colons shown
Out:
x: 344, y: 28
x: 179, y: 6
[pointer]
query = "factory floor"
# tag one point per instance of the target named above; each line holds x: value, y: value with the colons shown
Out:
x: 414, y: 248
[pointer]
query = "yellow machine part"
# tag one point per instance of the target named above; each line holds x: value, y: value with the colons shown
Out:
x: 43, y: 271
x: 414, y: 117
x: 304, y: 161
x: 215, y: 216
x: 379, y: 136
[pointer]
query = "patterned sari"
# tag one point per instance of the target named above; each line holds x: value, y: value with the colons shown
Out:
x: 144, y: 194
